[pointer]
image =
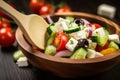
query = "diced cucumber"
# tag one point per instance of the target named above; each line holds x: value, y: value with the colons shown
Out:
x: 70, y: 18
x: 50, y: 40
x: 102, y: 40
x: 106, y: 31
x: 50, y: 50
x: 100, y: 36
x: 71, y: 30
x: 79, y: 54
x: 73, y: 27
x: 113, y: 45
x: 94, y: 38
x: 17, y: 54
x: 50, y: 29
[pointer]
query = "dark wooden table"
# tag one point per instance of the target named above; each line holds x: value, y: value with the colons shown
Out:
x: 10, y: 71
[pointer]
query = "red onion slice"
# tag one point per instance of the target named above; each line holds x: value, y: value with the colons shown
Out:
x: 89, y: 27
x: 49, y: 19
x: 63, y: 53
x: 90, y: 30
x: 85, y: 21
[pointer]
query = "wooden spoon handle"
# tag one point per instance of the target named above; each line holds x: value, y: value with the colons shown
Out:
x: 10, y: 11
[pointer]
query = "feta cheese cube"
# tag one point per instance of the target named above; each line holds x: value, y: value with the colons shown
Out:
x: 71, y: 44
x: 93, y: 54
x: 114, y: 37
x: 64, y: 25
x: 98, y: 54
x: 22, y: 62
x: 82, y: 34
x: 100, y: 31
x: 92, y: 45
x: 64, y: 20
x: 106, y: 10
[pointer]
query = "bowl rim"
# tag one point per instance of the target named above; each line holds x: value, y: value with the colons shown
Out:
x: 25, y: 45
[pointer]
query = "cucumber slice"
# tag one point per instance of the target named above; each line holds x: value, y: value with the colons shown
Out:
x: 50, y: 40
x: 70, y: 18
x: 94, y: 38
x: 50, y: 50
x: 99, y: 39
x: 79, y: 54
x: 17, y: 54
x: 102, y: 40
x: 106, y: 31
x: 73, y: 27
x: 50, y: 29
x: 113, y: 45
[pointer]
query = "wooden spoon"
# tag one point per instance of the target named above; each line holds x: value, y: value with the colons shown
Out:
x: 33, y: 26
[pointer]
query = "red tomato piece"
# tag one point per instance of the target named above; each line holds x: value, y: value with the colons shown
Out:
x: 46, y: 9
x: 7, y: 37
x: 96, y: 25
x: 64, y: 9
x: 60, y: 40
x: 99, y: 48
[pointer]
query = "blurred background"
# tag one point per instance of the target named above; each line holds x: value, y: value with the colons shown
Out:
x: 89, y: 6
x: 7, y: 64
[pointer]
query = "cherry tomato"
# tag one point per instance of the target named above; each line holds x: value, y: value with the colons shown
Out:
x: 46, y: 9
x: 64, y: 9
x: 97, y: 25
x: 60, y: 40
x: 99, y: 48
x: 7, y: 37
x: 35, y: 5
x: 4, y: 23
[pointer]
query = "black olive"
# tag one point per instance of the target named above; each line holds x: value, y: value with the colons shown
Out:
x: 83, y: 43
x: 79, y: 22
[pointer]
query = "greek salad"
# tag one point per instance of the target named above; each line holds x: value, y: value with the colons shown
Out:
x: 77, y: 38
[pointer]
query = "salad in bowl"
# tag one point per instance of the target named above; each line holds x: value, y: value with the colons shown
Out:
x: 78, y: 38
x: 77, y: 44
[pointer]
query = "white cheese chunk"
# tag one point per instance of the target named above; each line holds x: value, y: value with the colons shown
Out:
x: 100, y: 31
x: 71, y: 44
x: 92, y: 45
x: 98, y: 54
x: 63, y: 20
x: 82, y: 34
x: 64, y: 25
x: 106, y: 10
x: 93, y: 54
x: 114, y: 37
x: 22, y: 62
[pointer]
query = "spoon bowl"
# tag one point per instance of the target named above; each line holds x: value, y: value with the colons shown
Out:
x: 33, y: 26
